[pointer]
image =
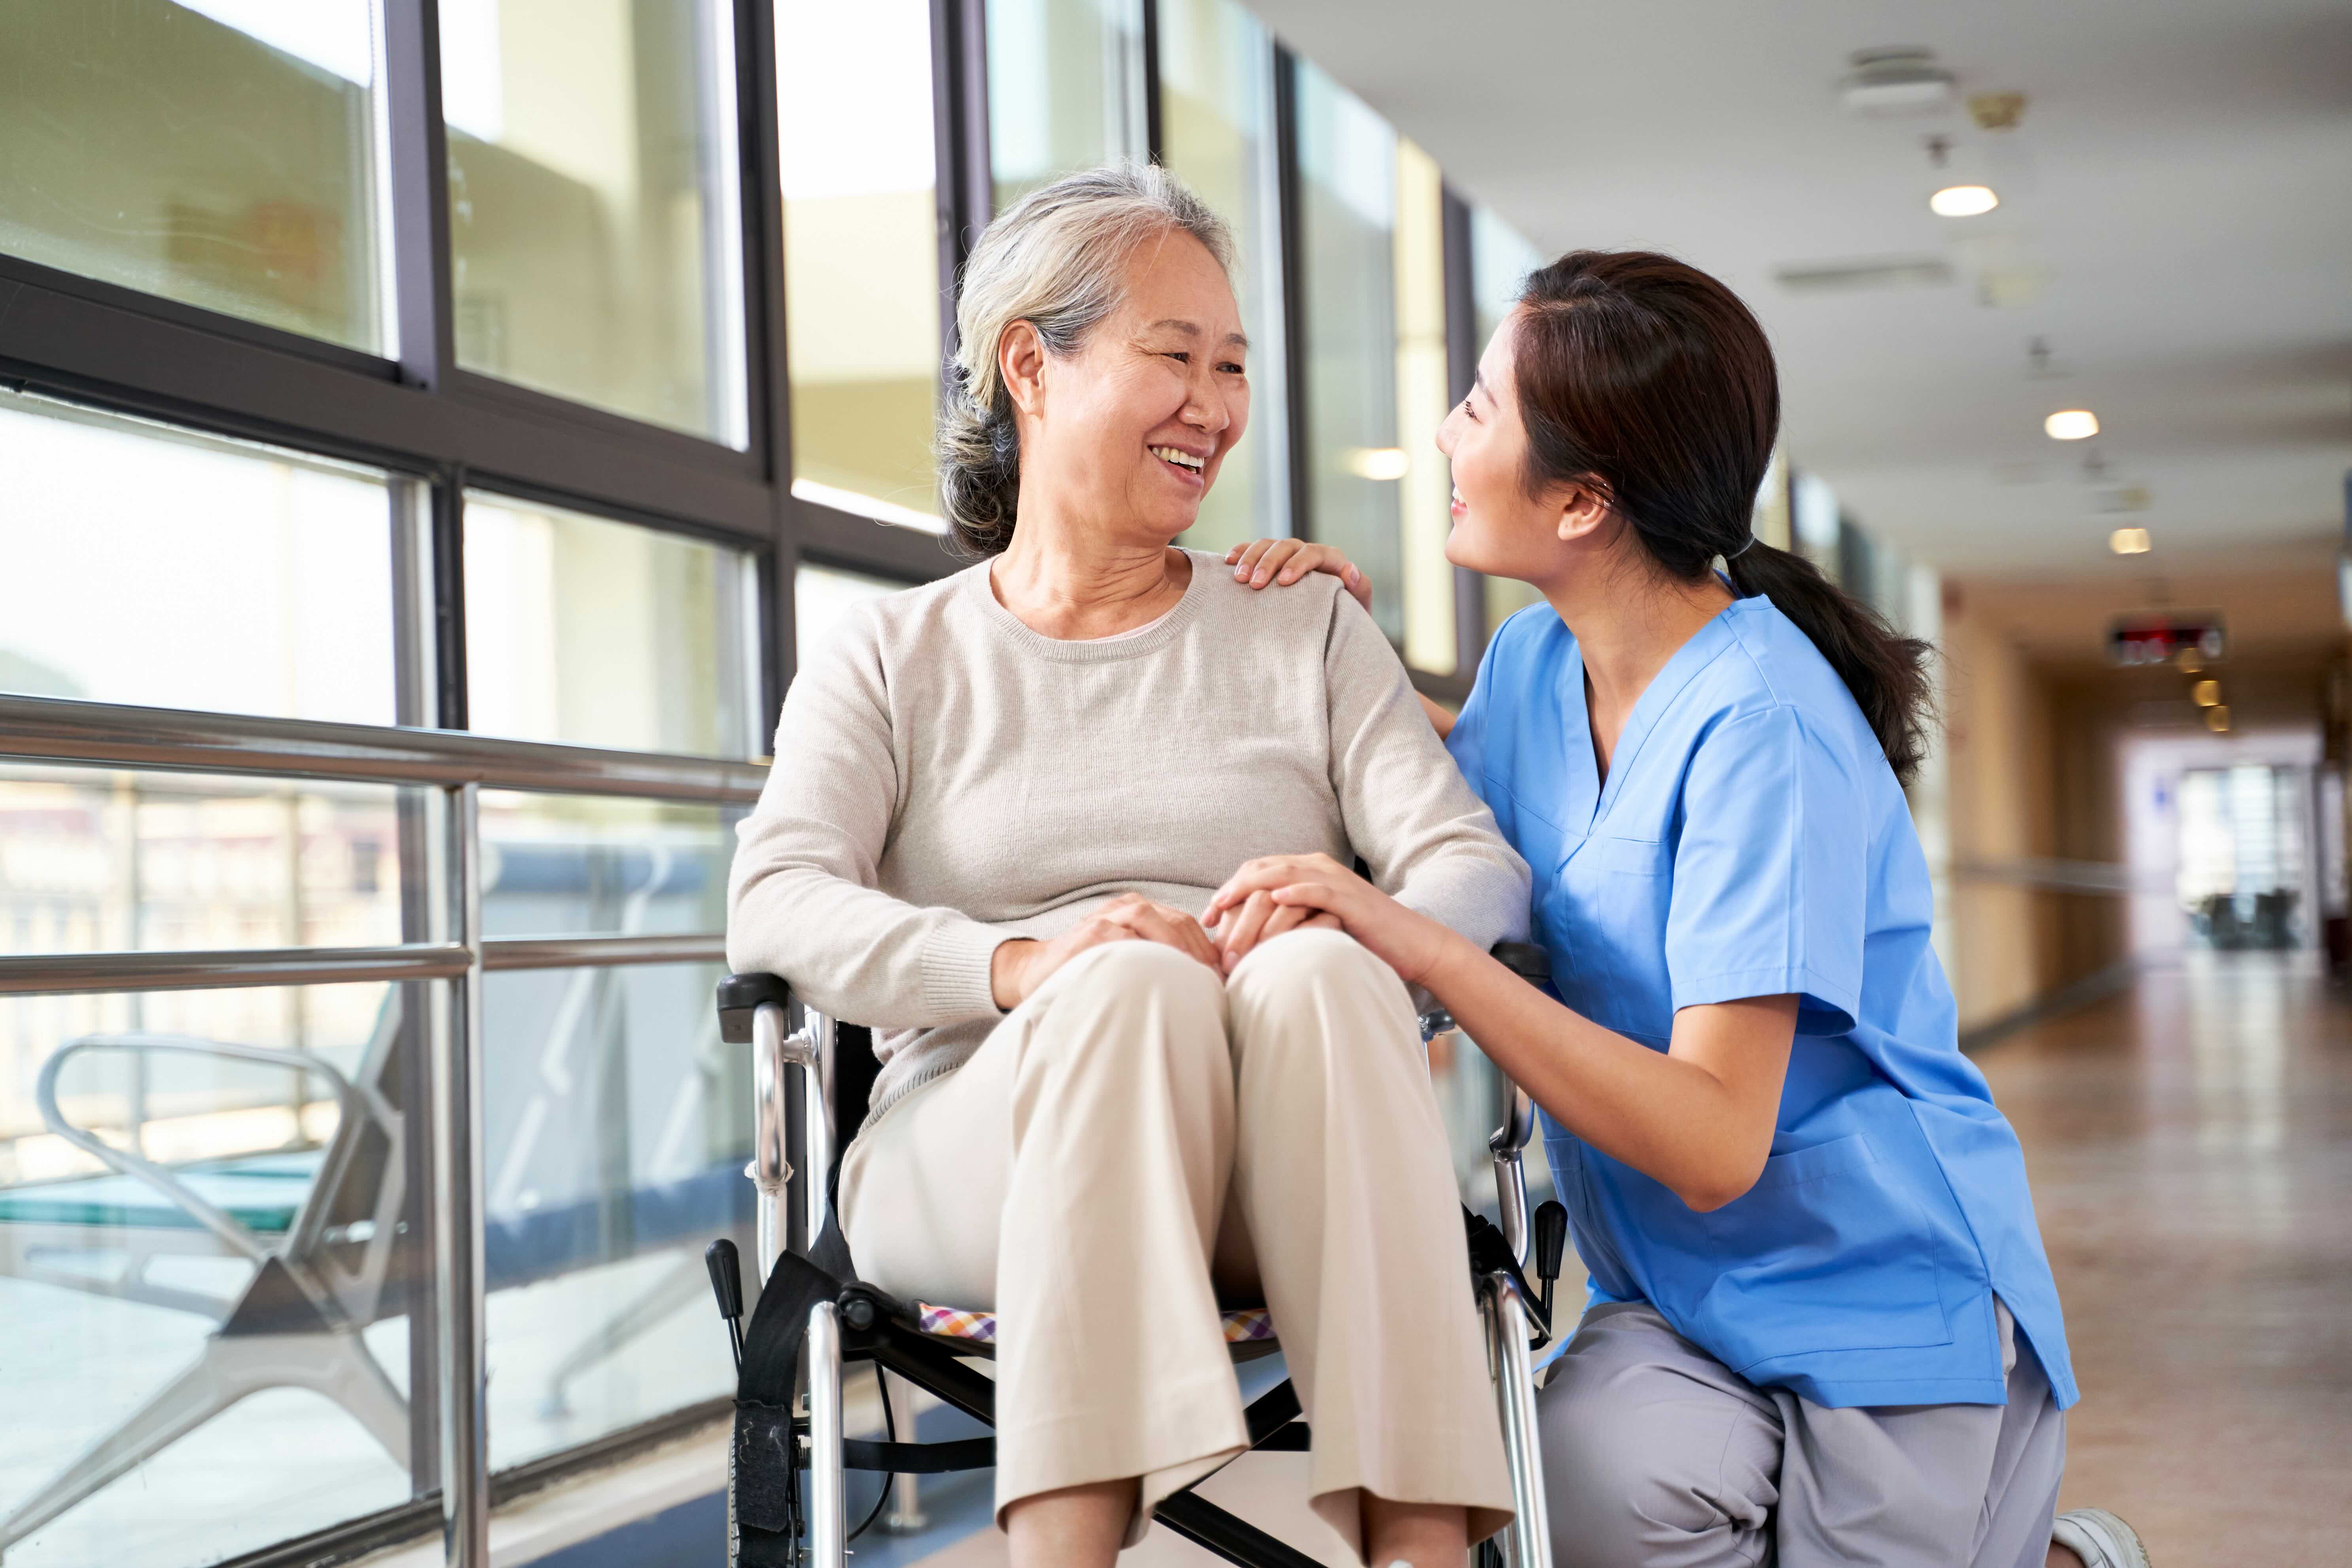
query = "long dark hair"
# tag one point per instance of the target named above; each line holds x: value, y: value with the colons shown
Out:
x: 1645, y: 379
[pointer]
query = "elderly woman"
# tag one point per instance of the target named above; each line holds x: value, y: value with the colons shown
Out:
x: 1000, y: 803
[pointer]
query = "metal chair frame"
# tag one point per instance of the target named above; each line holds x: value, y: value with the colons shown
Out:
x: 795, y: 1052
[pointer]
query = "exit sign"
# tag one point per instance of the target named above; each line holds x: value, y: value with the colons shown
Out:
x: 2158, y: 639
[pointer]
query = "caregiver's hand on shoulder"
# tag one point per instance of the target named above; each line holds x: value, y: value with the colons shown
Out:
x: 1286, y: 561
x: 1018, y: 967
x: 1406, y: 942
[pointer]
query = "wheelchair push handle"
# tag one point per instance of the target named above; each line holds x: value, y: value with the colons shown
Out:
x: 1552, y: 1245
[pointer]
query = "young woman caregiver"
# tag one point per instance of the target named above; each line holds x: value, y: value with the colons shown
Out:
x: 1822, y: 1326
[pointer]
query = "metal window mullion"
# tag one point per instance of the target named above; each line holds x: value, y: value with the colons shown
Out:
x: 460, y: 1320
x: 1154, y: 124
x: 417, y: 144
x: 966, y: 190
x: 773, y: 623
x: 1461, y: 365
x: 1292, y: 231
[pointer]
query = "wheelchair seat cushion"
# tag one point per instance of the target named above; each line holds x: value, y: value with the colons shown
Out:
x: 1242, y: 1325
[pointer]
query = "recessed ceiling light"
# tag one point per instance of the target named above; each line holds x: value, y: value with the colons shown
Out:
x: 1963, y: 200
x: 2072, y: 425
x: 2129, y: 542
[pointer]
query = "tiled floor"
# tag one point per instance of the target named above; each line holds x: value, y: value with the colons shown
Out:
x: 2191, y: 1145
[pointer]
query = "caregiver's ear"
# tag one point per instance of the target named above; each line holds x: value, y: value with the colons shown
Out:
x: 1582, y: 509
x: 1021, y: 361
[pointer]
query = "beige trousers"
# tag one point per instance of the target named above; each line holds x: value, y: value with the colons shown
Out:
x: 1142, y: 1133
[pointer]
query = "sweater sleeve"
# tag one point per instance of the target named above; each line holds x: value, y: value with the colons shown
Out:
x: 1427, y: 839
x: 803, y: 899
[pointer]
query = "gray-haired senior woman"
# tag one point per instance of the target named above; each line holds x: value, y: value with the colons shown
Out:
x: 998, y: 803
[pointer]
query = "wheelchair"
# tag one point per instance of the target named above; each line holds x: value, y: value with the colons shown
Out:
x: 812, y: 1318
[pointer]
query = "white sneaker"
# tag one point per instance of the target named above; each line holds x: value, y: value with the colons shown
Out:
x: 2099, y: 1538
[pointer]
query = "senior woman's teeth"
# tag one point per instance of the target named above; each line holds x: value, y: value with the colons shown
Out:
x: 1185, y: 461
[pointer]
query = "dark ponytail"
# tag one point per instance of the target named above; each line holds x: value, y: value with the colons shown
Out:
x: 1645, y: 379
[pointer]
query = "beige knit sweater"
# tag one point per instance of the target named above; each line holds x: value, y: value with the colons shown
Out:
x: 947, y: 778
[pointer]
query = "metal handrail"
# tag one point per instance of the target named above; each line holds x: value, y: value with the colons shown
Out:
x: 50, y: 729
x: 66, y: 973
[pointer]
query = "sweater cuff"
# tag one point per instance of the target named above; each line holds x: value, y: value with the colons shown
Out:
x: 955, y: 965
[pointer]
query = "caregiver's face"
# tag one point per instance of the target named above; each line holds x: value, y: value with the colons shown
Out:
x: 1133, y: 428
x: 1498, y: 528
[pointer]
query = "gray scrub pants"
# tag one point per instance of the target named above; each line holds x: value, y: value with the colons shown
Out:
x: 1658, y: 1456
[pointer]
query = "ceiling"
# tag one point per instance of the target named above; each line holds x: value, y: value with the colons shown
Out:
x: 2176, y: 224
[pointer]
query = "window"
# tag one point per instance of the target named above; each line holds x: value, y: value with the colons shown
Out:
x: 595, y: 246
x: 821, y: 596
x: 153, y: 566
x: 861, y: 254
x: 616, y: 1130
x: 1065, y: 90
x: 605, y: 633
x: 1500, y: 260
x: 1216, y: 106
x: 236, y: 1095
x: 1425, y: 486
x: 218, y: 153
x: 1348, y: 222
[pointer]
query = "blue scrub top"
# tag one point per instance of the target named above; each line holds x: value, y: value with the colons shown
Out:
x: 1752, y: 841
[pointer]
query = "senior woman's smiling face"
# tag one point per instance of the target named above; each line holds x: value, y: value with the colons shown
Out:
x: 1130, y: 431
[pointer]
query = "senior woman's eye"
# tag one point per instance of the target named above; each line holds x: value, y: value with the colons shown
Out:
x: 1231, y: 368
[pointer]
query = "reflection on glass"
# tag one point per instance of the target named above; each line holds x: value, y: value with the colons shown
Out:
x: 1065, y: 89
x: 122, y: 1120
x: 564, y: 865
x: 592, y: 210
x: 1216, y: 105
x: 217, y: 154
x: 153, y: 566
x: 617, y: 1126
x: 95, y: 860
x: 861, y: 253
x: 1424, y: 492
x: 821, y: 596
x: 1500, y: 259
x: 604, y: 634
x: 1348, y: 219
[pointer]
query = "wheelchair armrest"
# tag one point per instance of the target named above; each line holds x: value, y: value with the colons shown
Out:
x: 740, y: 995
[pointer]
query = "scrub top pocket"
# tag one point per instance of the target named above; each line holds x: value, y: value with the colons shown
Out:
x: 1818, y: 1219
x: 1610, y: 904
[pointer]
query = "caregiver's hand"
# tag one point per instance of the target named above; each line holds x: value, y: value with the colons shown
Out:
x: 1018, y: 967
x: 1286, y: 561
x: 1257, y: 920
x: 1409, y: 943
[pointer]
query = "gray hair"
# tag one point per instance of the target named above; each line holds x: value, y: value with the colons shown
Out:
x: 1057, y: 260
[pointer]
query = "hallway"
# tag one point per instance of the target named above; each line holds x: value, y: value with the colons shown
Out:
x: 2191, y: 1145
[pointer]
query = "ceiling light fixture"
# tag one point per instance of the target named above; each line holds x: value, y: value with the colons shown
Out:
x: 2072, y: 425
x: 1963, y: 200
x: 1379, y: 463
x: 2129, y: 542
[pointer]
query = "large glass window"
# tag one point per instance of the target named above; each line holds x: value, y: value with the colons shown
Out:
x: 1348, y: 222
x: 1424, y: 489
x: 123, y: 1121
x: 1065, y: 89
x: 615, y: 1131
x: 821, y: 596
x: 861, y: 253
x: 153, y: 566
x: 594, y: 235
x: 1216, y: 109
x: 605, y: 633
x: 1500, y: 259
x: 215, y: 153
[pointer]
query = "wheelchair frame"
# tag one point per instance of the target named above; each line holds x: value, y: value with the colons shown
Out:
x: 794, y: 1054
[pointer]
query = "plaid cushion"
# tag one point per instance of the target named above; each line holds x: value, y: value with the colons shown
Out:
x: 1242, y: 1325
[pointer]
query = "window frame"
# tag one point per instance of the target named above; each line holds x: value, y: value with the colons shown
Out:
x: 439, y: 430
